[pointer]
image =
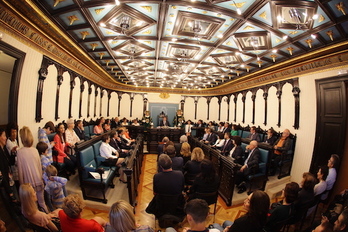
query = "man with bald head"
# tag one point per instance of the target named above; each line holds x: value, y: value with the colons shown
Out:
x: 281, y: 146
x: 251, y: 166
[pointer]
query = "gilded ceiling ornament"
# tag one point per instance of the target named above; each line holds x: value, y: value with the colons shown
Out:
x: 247, y: 68
x: 171, y: 15
x: 173, y: 7
x: 309, y: 42
x: 112, y: 68
x: 218, y: 15
x: 204, y: 12
x: 263, y: 15
x: 321, y: 18
x: 166, y: 29
x: 330, y: 34
x: 340, y: 6
x: 170, y: 22
x: 189, y: 8
x: 72, y: 19
x: 229, y: 43
x: 248, y: 28
x: 164, y: 95
x: 238, y: 73
x: 278, y: 40
x: 101, y: 54
x: 259, y: 62
x: 56, y: 2
x: 94, y: 45
x: 84, y: 34
x: 273, y: 56
x: 293, y: 32
x: 107, y: 62
x: 110, y: 32
x: 98, y: 11
x: 290, y: 49
x: 238, y: 4
x: 147, y: 8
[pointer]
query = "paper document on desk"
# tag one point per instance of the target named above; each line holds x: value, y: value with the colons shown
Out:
x: 96, y: 175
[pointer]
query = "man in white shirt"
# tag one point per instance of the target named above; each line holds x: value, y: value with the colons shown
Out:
x: 111, y: 155
x: 332, y: 165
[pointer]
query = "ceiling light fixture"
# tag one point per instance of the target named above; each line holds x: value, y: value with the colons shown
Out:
x: 117, y: 2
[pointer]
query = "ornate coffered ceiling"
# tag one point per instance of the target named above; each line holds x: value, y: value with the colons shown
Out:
x: 195, y: 45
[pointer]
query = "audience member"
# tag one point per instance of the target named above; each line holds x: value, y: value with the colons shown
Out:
x: 111, y: 155
x: 200, y: 123
x: 115, y: 122
x: 123, y: 153
x: 54, y: 186
x: 226, y: 128
x: 254, y: 135
x: 234, y: 131
x: 124, y: 122
x: 135, y: 123
x: 31, y: 212
x: 122, y: 143
x: 211, y: 126
x: 2, y: 226
x: 237, y: 153
x: 332, y: 164
x: 220, y: 127
x: 107, y: 125
x: 322, y: 185
x: 177, y: 162
x: 122, y: 219
x: 251, y: 166
x: 80, y: 130
x: 98, y: 128
x: 257, y: 206
x: 188, y: 126
x: 42, y: 148
x: 43, y: 132
x: 270, y: 138
x: 197, y: 212
x: 283, y: 210
x: 192, y: 168
x: 324, y: 226
x: 124, y: 135
x: 70, y: 217
x: 281, y: 146
x: 7, y: 183
x: 29, y: 165
x: 169, y: 181
x: 12, y: 147
x: 219, y: 141
x: 210, y: 138
x: 185, y: 152
x: 228, y: 144
x: 207, y: 181
x: 62, y: 147
x: 70, y: 134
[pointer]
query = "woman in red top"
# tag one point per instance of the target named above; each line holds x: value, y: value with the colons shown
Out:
x: 61, y: 146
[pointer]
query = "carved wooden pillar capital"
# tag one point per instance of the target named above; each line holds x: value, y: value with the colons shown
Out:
x: 296, y: 92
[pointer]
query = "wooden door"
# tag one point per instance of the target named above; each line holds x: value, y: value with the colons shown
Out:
x: 331, y: 120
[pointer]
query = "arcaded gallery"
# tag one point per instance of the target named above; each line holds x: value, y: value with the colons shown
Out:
x: 173, y: 115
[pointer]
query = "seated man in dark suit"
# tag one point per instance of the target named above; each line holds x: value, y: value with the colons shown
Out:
x: 164, y: 122
x: 226, y: 128
x: 113, y: 143
x: 228, y: 144
x: 79, y: 130
x: 210, y: 138
x: 251, y: 166
x: 254, y: 135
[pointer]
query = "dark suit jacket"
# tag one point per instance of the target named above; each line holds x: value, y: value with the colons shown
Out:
x: 171, y: 183
x: 253, y: 161
x: 211, y: 138
x: 80, y: 133
x: 238, y: 154
x: 255, y: 136
x: 114, y: 144
x: 226, y: 129
x: 226, y: 148
x: 166, y: 123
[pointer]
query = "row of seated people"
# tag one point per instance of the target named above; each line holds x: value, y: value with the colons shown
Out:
x: 295, y: 204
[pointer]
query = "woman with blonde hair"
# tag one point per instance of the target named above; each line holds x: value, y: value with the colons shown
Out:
x: 31, y: 212
x: 29, y: 165
x: 185, y: 151
x: 122, y: 219
x: 192, y: 168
